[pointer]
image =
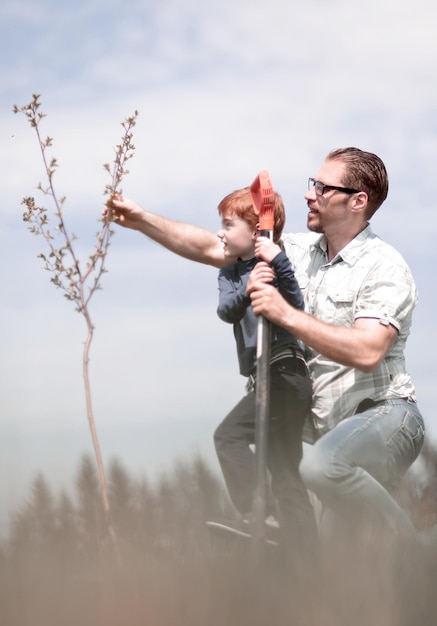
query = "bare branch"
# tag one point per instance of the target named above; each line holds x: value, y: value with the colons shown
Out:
x: 61, y: 260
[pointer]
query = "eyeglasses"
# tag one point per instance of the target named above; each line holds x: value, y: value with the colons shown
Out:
x: 321, y: 187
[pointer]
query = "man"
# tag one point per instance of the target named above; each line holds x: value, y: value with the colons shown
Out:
x: 359, y: 298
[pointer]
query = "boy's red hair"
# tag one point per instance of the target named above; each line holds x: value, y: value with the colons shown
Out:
x: 239, y: 203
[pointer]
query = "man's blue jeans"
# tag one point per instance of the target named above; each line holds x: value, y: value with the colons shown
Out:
x: 354, y: 467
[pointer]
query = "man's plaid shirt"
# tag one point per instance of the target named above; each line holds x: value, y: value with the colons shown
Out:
x: 368, y: 278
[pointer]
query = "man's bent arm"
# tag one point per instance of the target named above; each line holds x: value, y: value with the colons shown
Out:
x: 363, y: 345
x: 186, y: 240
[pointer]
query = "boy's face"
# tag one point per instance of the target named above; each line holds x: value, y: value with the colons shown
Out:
x: 238, y: 237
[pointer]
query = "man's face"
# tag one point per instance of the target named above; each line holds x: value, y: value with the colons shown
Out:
x: 237, y: 237
x: 331, y: 208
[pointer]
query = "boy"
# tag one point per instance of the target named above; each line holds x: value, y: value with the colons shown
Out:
x: 290, y: 385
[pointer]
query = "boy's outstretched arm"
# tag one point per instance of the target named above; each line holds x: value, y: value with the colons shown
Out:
x: 186, y: 240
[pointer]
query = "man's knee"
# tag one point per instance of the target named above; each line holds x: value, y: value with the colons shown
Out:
x: 219, y: 437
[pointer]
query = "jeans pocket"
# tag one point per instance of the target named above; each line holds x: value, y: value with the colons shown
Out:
x: 405, y: 444
x: 414, y: 428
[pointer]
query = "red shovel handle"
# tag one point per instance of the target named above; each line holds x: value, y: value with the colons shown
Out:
x: 263, y: 200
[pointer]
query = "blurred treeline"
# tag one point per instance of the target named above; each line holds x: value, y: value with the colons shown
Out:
x: 58, y: 568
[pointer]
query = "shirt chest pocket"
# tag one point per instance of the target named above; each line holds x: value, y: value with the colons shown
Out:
x: 339, y: 308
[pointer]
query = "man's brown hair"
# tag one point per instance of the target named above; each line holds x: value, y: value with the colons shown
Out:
x: 364, y: 171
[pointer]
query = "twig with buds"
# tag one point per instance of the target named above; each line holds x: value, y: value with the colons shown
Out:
x: 61, y: 261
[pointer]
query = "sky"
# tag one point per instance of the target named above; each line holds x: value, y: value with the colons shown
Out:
x: 224, y: 89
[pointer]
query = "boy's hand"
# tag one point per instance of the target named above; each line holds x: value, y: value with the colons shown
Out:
x: 265, y: 249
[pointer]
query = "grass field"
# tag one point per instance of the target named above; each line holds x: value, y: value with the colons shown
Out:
x: 58, y: 566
